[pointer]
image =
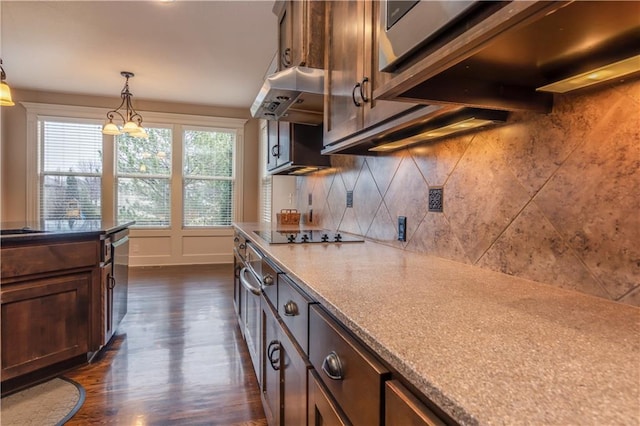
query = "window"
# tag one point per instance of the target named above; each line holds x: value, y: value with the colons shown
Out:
x: 70, y: 172
x: 208, y: 171
x: 183, y: 180
x: 143, y: 176
x: 265, y: 215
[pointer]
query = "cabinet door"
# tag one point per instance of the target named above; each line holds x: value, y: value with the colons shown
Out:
x: 300, y: 33
x: 322, y: 411
x: 272, y: 144
x: 343, y: 108
x: 107, y: 304
x: 294, y: 381
x: 285, y: 35
x: 402, y: 408
x: 44, y: 321
x: 284, y: 143
x: 376, y: 110
x: 270, y: 355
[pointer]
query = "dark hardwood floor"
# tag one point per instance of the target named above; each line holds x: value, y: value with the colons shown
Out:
x: 177, y: 358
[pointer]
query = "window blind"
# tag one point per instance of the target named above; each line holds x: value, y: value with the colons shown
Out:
x: 266, y: 199
x: 70, y: 172
x: 208, y: 171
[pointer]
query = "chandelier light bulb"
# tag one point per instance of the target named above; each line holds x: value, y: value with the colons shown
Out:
x: 110, y: 129
x: 5, y: 91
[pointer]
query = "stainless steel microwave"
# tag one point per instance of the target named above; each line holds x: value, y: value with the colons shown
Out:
x: 406, y: 25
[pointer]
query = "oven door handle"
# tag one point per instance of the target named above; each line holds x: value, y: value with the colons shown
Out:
x: 246, y: 284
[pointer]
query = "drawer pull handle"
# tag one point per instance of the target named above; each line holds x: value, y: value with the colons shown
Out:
x: 364, y: 97
x: 291, y: 309
x: 274, y: 346
x: 332, y: 366
x: 267, y: 280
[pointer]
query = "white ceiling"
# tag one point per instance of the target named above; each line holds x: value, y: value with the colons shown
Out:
x: 199, y: 52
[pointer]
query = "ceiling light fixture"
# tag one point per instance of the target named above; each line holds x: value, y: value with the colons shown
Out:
x: 594, y: 76
x: 131, y: 120
x: 5, y: 91
x: 458, y: 122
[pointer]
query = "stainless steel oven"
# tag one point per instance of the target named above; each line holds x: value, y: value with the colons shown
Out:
x: 406, y: 25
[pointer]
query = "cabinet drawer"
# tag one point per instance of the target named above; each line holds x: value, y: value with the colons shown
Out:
x: 36, y: 259
x: 352, y: 375
x: 403, y: 408
x: 293, y: 307
x: 270, y: 282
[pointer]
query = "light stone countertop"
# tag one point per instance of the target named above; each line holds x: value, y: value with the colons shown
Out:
x: 486, y: 347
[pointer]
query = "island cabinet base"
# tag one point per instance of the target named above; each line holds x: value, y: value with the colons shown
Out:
x: 45, y: 321
x: 49, y: 305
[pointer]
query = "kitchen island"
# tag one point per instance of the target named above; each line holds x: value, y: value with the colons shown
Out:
x: 54, y: 295
x: 483, y: 347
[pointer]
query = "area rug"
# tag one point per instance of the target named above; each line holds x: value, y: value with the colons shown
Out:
x: 49, y: 403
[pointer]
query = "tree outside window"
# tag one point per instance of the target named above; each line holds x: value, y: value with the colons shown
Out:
x: 144, y: 178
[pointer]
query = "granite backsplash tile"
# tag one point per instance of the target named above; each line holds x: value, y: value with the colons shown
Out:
x: 553, y: 198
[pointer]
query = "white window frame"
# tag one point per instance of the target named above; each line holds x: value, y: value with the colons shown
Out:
x: 37, y: 111
x: 234, y: 173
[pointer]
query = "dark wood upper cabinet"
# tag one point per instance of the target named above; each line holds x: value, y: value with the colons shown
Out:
x: 293, y: 148
x: 300, y: 33
x: 351, y: 73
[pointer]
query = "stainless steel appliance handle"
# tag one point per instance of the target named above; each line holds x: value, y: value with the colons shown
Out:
x: 120, y: 242
x: 332, y: 366
x: 246, y: 284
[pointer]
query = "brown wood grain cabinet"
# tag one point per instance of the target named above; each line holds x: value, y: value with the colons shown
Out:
x: 323, y: 411
x: 313, y: 371
x: 300, y: 33
x: 353, y: 376
x: 50, y: 307
x: 293, y: 367
x: 270, y: 364
x: 45, y: 321
x: 403, y: 408
x: 291, y: 146
x: 351, y: 72
x: 293, y: 307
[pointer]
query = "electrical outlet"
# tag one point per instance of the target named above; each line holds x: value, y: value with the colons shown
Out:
x: 349, y: 199
x: 435, y: 200
x: 402, y: 228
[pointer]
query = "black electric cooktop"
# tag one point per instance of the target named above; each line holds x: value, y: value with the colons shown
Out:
x: 304, y: 236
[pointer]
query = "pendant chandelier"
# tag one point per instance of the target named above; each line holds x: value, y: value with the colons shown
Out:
x: 5, y: 91
x: 131, y: 120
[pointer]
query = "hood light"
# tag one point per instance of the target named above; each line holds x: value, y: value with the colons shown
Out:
x: 594, y: 76
x: 304, y: 171
x: 480, y: 119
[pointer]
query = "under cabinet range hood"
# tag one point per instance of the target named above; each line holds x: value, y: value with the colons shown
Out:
x: 513, y: 58
x: 294, y: 95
